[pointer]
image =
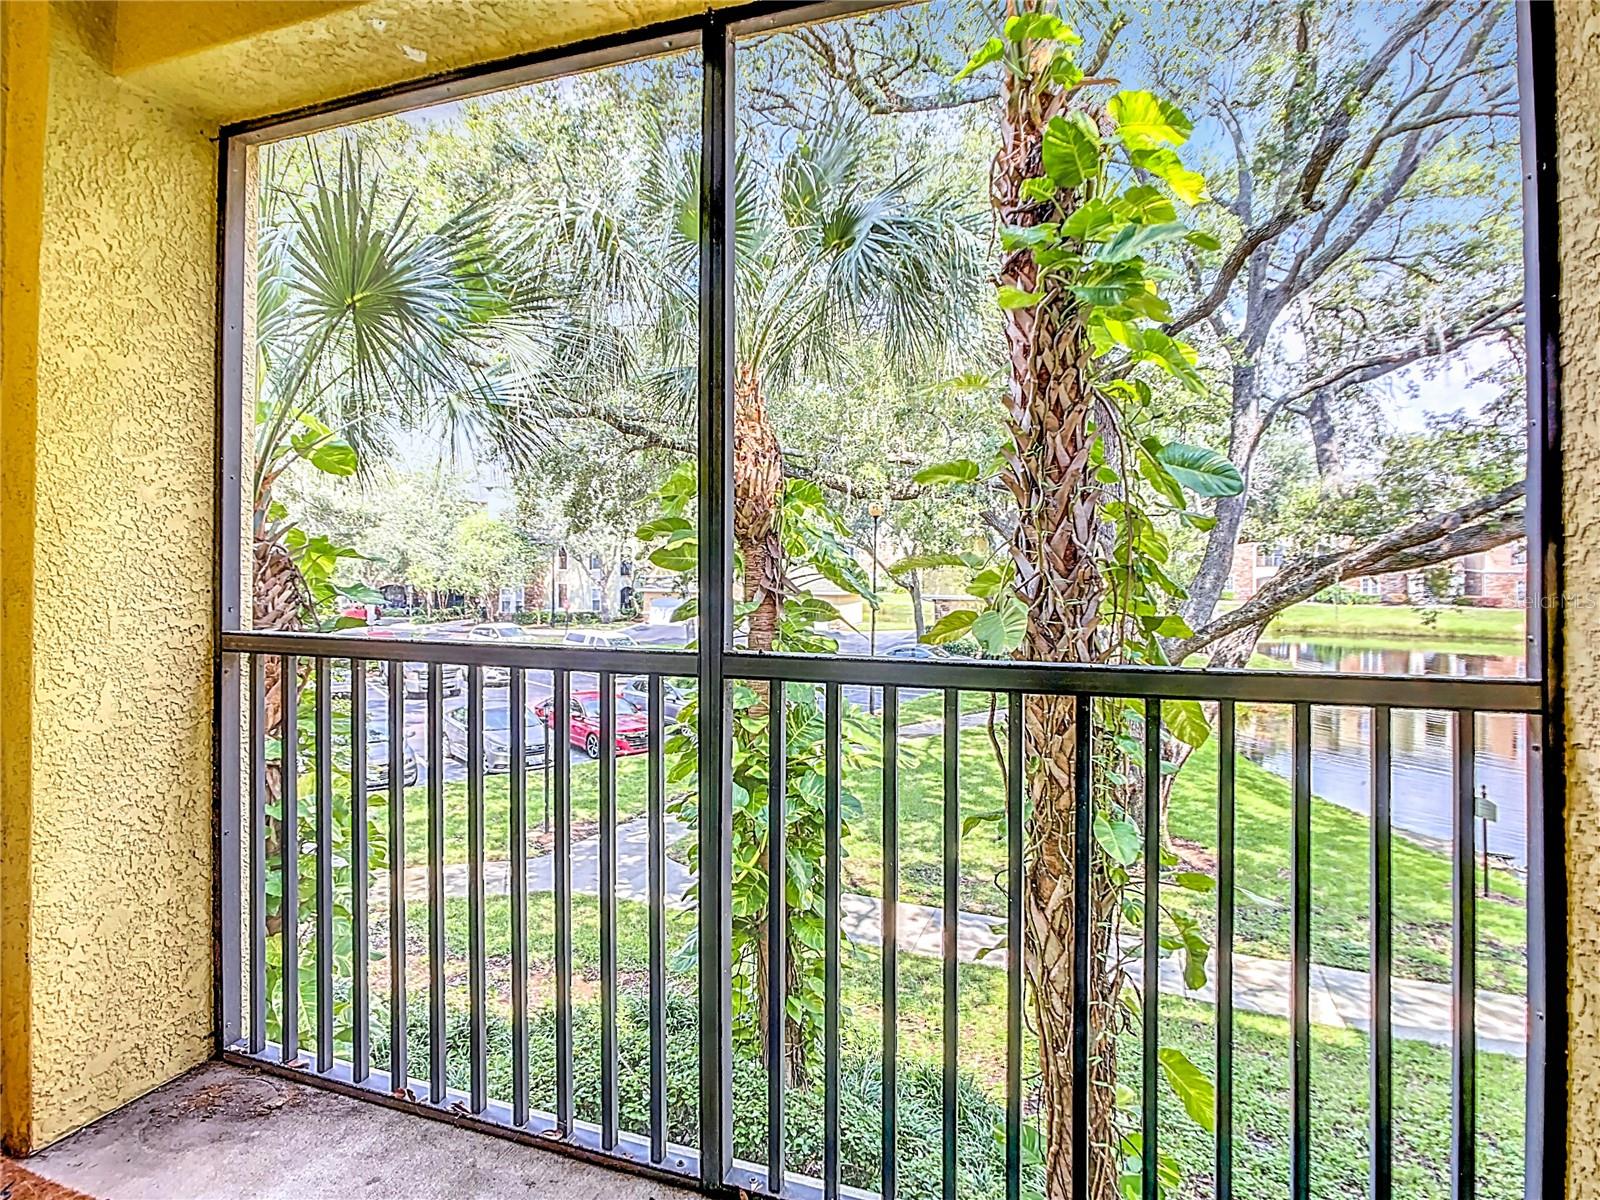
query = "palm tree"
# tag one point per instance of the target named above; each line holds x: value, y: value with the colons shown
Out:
x: 827, y: 254
x: 367, y: 325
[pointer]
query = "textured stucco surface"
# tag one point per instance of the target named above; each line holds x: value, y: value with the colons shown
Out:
x: 24, y: 101
x: 120, y: 938
x: 115, y: 803
x: 1578, y: 166
x: 380, y: 43
x: 149, y: 31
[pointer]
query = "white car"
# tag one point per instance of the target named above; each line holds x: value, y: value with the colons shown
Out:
x: 600, y: 639
x: 496, y: 631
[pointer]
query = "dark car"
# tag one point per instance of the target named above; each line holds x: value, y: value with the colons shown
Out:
x: 673, y: 697
x: 631, y: 729
x: 496, y: 737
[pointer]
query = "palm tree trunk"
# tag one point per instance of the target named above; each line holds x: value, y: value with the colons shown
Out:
x: 757, y: 496
x: 278, y: 601
x: 1048, y: 407
x: 757, y: 493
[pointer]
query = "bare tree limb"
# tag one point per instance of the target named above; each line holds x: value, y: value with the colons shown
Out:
x: 1478, y: 525
x: 1303, y: 196
x: 1490, y: 324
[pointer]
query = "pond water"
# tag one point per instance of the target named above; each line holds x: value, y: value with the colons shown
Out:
x: 1341, y: 740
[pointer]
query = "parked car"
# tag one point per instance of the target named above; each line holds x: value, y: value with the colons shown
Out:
x: 339, y: 679
x: 452, y: 679
x: 632, y: 724
x: 378, y: 755
x: 916, y: 650
x: 673, y: 697
x: 496, y: 631
x: 496, y: 737
x: 600, y: 639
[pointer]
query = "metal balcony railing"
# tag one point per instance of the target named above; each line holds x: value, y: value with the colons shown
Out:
x: 276, y: 947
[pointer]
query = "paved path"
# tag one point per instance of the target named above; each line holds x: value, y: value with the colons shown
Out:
x: 1339, y: 997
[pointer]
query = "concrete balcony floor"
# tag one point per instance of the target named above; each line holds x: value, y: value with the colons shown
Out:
x: 222, y: 1132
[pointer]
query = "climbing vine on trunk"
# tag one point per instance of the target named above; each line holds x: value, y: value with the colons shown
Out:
x: 1087, y: 192
x: 779, y: 525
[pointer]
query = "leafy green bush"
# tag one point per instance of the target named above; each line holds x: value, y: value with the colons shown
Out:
x: 980, y: 1157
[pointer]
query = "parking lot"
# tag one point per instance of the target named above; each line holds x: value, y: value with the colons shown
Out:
x: 538, y: 686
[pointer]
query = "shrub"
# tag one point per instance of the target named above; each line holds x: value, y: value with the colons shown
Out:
x: 920, y: 1110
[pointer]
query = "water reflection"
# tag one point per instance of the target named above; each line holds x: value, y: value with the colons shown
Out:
x: 1341, y: 740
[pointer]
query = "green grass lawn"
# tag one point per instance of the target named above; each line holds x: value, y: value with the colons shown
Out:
x: 1339, y: 1065
x: 1340, y: 866
x: 1340, y: 855
x: 931, y: 707
x: 584, y: 791
x: 1494, y: 625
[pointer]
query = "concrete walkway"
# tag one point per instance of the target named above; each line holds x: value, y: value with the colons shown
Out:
x: 1339, y: 997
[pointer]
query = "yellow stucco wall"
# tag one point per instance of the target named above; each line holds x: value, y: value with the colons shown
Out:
x: 24, y: 91
x: 1578, y: 165
x: 108, y: 777
x: 106, y: 527
x: 372, y: 45
x: 122, y: 590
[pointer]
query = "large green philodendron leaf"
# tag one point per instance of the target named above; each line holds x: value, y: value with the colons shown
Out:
x: 1000, y: 629
x: 1186, y: 721
x: 1164, y: 163
x: 1202, y: 470
x: 1191, y: 1086
x: 950, y: 627
x: 1145, y: 121
x: 1071, y: 151
x: 961, y: 470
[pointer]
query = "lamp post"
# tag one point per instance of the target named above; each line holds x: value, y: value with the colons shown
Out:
x: 555, y: 551
x: 875, y: 511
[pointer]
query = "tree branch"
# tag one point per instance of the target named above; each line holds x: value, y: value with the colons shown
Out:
x: 1476, y: 526
x: 1303, y: 195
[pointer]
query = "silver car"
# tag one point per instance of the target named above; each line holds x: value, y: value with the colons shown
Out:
x: 496, y: 737
x: 452, y: 679
x: 378, y: 755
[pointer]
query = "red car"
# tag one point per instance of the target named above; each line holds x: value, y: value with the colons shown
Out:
x: 631, y: 728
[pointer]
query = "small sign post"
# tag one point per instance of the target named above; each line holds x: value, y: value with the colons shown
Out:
x: 1487, y: 810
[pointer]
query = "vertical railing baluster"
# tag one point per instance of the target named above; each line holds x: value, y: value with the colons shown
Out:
x: 1150, y: 1037
x: 608, y: 910
x: 561, y: 734
x: 517, y: 729
x: 1016, y: 942
x: 1082, y: 847
x: 258, y: 855
x: 231, y: 824
x: 831, y: 900
x: 952, y: 932
x: 1382, y: 1133
x: 477, y: 935
x: 360, y: 864
x: 1300, y: 961
x: 399, y: 1066
x: 777, y: 929
x: 657, y: 917
x: 436, y: 910
x: 891, y: 940
x: 289, y: 852
x: 1225, y: 901
x: 324, y: 861
x: 1463, y: 974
